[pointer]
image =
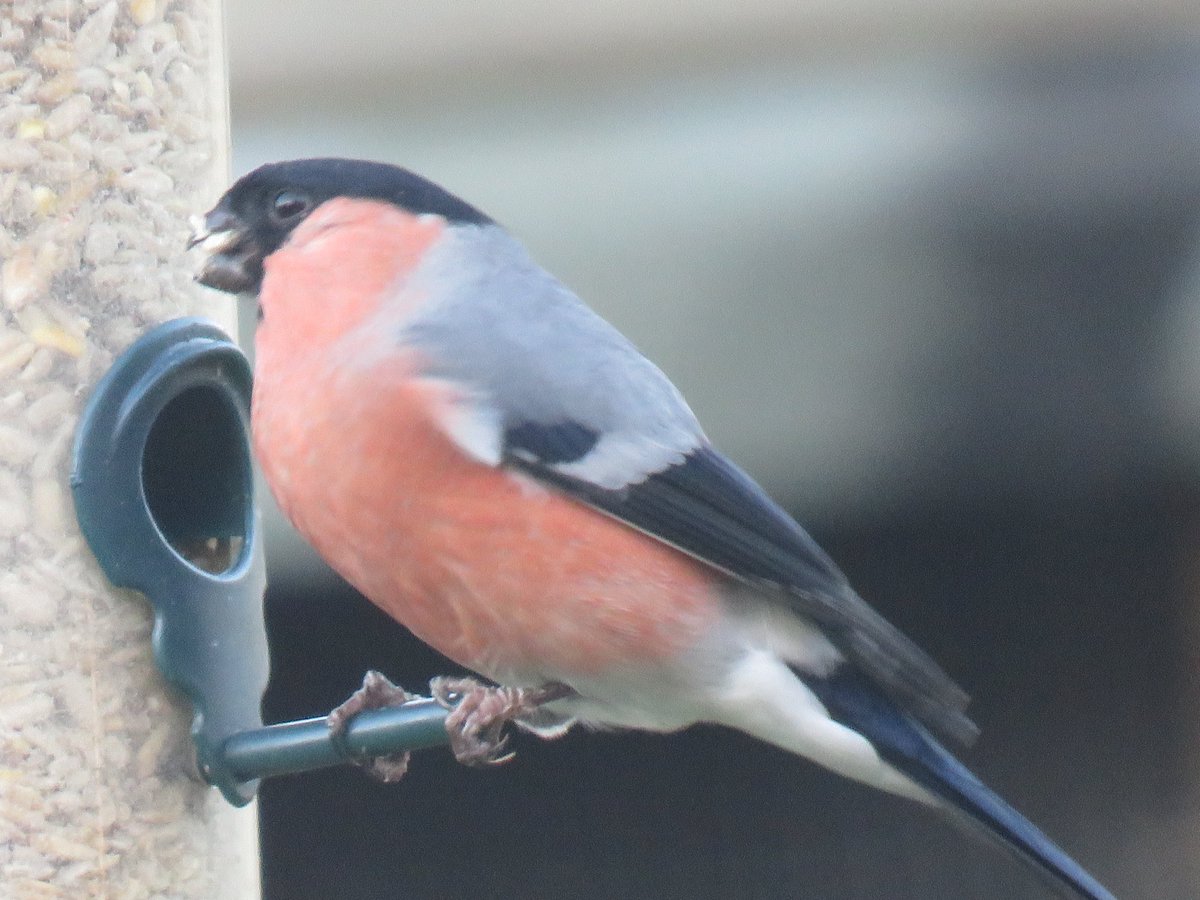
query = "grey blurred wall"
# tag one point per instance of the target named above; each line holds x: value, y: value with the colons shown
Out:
x: 784, y: 203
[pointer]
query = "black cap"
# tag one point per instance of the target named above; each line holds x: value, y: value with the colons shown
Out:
x: 268, y: 203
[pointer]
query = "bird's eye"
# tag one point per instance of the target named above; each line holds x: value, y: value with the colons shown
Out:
x: 288, y: 206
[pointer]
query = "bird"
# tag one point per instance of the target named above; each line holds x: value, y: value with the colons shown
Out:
x: 501, y: 471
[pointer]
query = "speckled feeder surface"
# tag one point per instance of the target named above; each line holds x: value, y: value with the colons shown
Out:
x: 113, y: 130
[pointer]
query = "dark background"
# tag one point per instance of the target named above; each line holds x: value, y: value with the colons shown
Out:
x: 1069, y: 625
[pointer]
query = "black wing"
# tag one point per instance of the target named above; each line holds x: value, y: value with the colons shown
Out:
x: 711, y: 509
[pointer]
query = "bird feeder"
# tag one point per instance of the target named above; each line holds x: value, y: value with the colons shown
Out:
x: 113, y: 129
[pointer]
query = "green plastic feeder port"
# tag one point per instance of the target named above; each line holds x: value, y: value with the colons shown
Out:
x: 164, y: 493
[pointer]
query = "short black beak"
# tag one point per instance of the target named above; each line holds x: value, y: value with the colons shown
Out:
x: 234, y: 260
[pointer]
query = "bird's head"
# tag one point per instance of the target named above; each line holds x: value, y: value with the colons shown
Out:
x: 256, y: 216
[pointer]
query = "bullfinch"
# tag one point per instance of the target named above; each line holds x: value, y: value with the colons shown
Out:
x: 502, y: 472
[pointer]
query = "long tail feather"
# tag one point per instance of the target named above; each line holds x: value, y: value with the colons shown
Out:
x: 852, y: 701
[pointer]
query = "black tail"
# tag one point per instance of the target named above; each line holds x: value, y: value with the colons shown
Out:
x: 852, y: 701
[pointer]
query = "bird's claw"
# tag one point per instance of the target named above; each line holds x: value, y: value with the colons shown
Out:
x: 479, y: 712
x: 377, y: 692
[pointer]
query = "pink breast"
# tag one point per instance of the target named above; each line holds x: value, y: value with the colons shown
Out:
x: 494, y: 571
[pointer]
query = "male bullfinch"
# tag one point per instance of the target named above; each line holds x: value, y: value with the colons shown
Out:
x: 501, y: 471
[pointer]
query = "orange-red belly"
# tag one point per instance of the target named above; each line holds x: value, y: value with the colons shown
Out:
x: 500, y: 574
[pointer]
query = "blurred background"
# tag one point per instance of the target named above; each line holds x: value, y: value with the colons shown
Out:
x: 930, y: 272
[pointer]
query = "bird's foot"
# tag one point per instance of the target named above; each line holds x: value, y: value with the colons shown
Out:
x: 479, y: 712
x: 376, y: 693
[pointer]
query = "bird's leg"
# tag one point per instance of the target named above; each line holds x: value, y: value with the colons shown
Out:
x: 376, y: 693
x: 479, y: 712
